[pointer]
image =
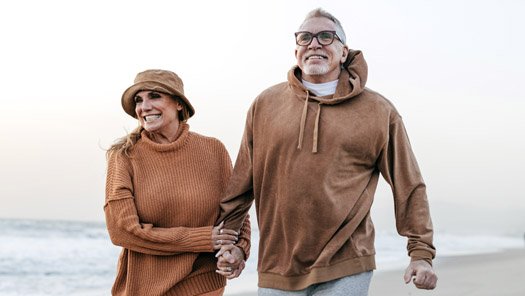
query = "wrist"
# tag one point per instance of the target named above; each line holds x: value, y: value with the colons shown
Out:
x: 244, y: 245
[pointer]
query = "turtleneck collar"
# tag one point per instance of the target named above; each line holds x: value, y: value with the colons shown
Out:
x: 182, y: 137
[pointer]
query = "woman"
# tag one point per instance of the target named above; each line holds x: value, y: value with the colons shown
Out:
x: 163, y: 189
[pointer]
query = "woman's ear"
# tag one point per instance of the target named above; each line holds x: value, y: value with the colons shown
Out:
x: 178, y: 106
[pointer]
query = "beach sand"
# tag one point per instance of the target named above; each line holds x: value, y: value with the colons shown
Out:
x: 494, y: 274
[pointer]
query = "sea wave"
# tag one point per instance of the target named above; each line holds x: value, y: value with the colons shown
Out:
x: 77, y: 258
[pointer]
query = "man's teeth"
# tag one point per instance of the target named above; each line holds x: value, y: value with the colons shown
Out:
x: 151, y: 117
x: 316, y: 57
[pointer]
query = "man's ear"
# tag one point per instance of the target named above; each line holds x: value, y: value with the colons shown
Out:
x: 345, y: 54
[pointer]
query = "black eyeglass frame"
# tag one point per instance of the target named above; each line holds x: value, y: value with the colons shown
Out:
x: 316, y: 37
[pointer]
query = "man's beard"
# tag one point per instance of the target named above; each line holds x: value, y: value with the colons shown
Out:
x: 316, y: 69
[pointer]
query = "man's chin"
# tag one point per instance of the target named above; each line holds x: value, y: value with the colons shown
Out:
x: 315, y: 70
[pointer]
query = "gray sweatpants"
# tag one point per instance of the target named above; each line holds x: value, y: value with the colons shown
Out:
x: 353, y: 285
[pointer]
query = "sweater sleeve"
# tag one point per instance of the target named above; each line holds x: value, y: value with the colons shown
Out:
x: 125, y: 228
x: 244, y: 241
x: 399, y: 167
x: 245, y: 237
x: 239, y: 192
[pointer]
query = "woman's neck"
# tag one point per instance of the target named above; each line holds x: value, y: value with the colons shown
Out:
x: 166, y: 137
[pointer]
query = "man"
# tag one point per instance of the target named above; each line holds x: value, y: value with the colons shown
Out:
x: 311, y: 155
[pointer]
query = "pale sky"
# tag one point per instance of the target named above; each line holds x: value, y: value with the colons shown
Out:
x: 453, y: 69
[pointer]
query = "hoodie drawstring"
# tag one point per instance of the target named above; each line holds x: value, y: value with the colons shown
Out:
x: 316, y: 129
x: 303, y: 123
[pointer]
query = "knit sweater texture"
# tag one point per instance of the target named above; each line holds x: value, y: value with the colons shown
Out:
x: 161, y: 203
x: 312, y: 166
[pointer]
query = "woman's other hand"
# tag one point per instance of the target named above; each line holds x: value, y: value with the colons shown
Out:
x: 223, y: 237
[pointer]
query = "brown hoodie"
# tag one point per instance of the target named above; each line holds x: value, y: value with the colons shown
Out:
x: 313, y: 204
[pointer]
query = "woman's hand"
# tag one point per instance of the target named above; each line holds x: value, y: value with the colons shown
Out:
x: 231, y: 261
x: 222, y: 237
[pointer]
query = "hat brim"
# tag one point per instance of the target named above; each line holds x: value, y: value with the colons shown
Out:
x: 128, y: 103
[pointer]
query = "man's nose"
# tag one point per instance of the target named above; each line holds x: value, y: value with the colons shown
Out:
x: 315, y: 44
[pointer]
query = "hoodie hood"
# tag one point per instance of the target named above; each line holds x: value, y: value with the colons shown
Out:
x: 352, y: 80
x: 351, y: 83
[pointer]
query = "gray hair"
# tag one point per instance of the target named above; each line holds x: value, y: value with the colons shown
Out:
x: 319, y: 12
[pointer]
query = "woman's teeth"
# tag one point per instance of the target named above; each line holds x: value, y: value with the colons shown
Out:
x: 149, y: 118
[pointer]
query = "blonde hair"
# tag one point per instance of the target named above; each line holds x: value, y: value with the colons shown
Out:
x: 124, y: 144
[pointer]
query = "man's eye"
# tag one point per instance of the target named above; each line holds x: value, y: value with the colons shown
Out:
x: 325, y: 35
x: 137, y: 99
x: 305, y: 37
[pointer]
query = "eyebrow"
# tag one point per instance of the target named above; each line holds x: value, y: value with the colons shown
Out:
x: 153, y: 92
x: 150, y: 93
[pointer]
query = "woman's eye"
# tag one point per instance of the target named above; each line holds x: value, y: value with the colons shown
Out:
x: 154, y: 95
x: 137, y: 99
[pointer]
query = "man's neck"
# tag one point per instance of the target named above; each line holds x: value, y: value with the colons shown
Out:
x: 321, y: 78
x: 321, y: 89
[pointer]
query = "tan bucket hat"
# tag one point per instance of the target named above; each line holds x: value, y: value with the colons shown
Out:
x: 155, y: 80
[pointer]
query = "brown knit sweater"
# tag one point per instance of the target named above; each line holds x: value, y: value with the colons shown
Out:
x: 161, y: 203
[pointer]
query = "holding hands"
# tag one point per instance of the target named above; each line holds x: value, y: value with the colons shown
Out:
x: 230, y: 257
x: 231, y: 261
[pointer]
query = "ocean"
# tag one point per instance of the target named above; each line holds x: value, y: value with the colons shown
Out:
x: 56, y: 258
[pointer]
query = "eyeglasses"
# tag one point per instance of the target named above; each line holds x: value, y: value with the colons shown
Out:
x: 304, y: 38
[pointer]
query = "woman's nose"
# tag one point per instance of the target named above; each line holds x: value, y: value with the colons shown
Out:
x: 146, y: 104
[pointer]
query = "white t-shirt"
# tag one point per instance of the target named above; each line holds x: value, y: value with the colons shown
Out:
x: 321, y: 89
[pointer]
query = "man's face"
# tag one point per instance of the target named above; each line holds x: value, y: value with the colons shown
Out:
x: 320, y: 63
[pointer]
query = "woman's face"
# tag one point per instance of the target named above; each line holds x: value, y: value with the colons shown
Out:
x: 157, y: 112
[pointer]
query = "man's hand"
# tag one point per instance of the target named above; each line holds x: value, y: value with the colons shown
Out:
x: 422, y: 273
